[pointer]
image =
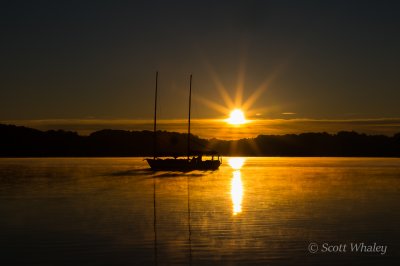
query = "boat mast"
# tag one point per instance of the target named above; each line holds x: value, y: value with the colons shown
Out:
x: 155, y: 121
x: 190, y: 105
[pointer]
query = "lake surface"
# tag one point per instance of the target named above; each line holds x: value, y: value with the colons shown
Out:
x: 267, y: 211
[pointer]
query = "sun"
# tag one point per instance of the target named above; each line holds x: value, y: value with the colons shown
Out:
x: 236, y: 117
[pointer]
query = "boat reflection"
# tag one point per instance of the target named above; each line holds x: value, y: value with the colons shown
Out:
x: 236, y: 184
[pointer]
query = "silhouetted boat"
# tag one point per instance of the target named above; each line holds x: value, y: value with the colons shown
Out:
x: 182, y: 164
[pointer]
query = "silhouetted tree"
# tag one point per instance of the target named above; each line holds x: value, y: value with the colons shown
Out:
x: 17, y: 141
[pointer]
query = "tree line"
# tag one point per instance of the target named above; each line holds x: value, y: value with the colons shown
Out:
x: 19, y: 141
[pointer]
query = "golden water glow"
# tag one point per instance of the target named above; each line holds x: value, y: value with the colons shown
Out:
x: 236, y: 117
x: 236, y: 184
x: 237, y: 192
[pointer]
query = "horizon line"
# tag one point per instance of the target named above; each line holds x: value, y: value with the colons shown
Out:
x: 217, y: 128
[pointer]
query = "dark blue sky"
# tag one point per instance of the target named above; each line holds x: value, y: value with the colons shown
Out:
x: 79, y: 59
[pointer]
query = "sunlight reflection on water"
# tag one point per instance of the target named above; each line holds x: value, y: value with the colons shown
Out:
x: 237, y: 192
x: 236, y: 184
x: 236, y: 162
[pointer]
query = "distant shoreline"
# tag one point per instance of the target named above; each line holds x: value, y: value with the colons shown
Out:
x: 24, y: 142
x: 100, y: 157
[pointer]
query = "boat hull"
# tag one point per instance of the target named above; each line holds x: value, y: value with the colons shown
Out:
x: 183, y: 165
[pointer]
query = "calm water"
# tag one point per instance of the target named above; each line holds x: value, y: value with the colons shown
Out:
x: 267, y: 211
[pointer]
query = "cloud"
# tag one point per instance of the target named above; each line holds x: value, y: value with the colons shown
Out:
x: 218, y: 128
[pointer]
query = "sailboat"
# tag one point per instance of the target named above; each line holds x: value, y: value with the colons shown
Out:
x: 189, y: 163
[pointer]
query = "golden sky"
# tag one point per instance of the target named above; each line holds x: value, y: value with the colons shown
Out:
x: 219, y: 128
